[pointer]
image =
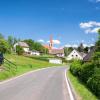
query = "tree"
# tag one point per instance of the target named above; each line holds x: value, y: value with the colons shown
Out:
x: 99, y: 34
x: 15, y: 40
x: 86, y: 49
x: 19, y: 50
x: 36, y: 46
x: 4, y: 46
x: 81, y: 48
x: 96, y: 56
x: 97, y: 45
x: 68, y: 50
x: 10, y: 41
x: 30, y: 42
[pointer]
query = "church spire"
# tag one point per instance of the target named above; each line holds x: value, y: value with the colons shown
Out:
x: 51, y: 42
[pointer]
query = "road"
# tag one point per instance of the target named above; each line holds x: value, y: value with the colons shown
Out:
x: 46, y: 84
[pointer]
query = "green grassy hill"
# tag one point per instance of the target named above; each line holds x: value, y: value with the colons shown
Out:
x: 23, y: 64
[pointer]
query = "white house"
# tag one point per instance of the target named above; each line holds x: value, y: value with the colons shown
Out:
x: 76, y: 55
x: 23, y: 45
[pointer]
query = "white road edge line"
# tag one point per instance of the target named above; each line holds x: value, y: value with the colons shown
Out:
x: 8, y: 80
x: 69, y: 89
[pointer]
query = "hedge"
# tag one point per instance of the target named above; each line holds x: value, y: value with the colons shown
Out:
x: 94, y: 82
x: 89, y: 73
x: 75, y: 67
x: 86, y: 71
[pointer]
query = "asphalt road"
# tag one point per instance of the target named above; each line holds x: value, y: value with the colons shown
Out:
x: 46, y: 84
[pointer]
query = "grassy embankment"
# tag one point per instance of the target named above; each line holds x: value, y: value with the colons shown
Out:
x: 81, y: 90
x: 24, y: 64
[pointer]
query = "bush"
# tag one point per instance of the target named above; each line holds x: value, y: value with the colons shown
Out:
x: 96, y: 59
x: 4, y: 46
x: 19, y: 50
x: 86, y: 71
x: 94, y: 82
x: 75, y: 67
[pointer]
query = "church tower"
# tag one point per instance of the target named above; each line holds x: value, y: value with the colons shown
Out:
x: 51, y: 43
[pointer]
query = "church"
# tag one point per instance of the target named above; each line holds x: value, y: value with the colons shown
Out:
x: 52, y: 51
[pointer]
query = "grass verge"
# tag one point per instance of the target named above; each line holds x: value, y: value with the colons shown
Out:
x: 24, y: 64
x: 81, y: 90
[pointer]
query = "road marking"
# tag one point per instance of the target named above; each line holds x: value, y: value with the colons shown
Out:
x: 69, y: 89
x: 16, y: 77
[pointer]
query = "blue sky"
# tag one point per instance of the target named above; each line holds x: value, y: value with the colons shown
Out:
x: 69, y: 21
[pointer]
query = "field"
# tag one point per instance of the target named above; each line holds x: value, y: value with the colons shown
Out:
x: 23, y: 64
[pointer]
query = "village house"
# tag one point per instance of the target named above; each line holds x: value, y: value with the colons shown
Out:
x: 24, y: 45
x: 88, y: 57
x: 76, y: 55
x: 57, y: 52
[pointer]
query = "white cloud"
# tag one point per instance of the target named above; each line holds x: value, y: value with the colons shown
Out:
x: 68, y: 45
x: 88, y: 45
x: 41, y: 40
x: 94, y: 1
x: 97, y: 1
x: 94, y: 30
x: 90, y: 27
x: 75, y: 46
x: 55, y: 42
x: 85, y: 25
x: 89, y: 24
x: 85, y: 45
x: 92, y: 45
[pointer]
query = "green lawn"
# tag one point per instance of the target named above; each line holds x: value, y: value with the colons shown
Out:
x: 42, y: 57
x: 81, y: 90
x: 24, y: 64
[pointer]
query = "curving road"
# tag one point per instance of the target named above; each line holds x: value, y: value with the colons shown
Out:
x: 46, y: 84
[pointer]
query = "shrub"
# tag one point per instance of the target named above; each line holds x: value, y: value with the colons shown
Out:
x: 4, y: 46
x: 75, y: 67
x: 94, y: 82
x: 19, y: 50
x: 96, y: 59
x: 86, y: 71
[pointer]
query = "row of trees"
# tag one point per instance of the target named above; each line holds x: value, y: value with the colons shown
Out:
x: 6, y: 45
x: 80, y: 48
x: 36, y: 46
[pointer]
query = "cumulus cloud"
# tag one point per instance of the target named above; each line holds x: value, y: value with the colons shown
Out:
x: 55, y: 42
x: 90, y: 27
x: 76, y: 45
x: 68, y: 45
x: 90, y: 24
x: 97, y: 1
x: 41, y: 40
x: 88, y: 45
x: 94, y: 1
